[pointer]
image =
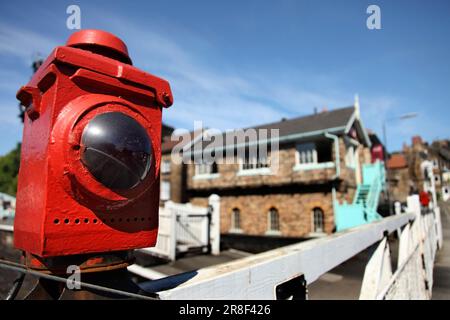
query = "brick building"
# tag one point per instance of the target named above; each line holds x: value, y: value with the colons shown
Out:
x: 398, y: 177
x: 319, y: 158
x: 173, y: 173
x: 405, y: 174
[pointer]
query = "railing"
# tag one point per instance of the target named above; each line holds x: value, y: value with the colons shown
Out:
x: 286, y: 272
x: 348, y: 215
x: 374, y: 175
x: 413, y: 278
x: 372, y: 200
x: 372, y: 196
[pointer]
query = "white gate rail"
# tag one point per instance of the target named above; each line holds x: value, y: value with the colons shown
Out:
x: 259, y: 276
x: 184, y: 226
x: 413, y: 278
x: 166, y: 243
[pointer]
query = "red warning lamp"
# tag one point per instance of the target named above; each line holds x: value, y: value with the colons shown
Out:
x: 89, y: 172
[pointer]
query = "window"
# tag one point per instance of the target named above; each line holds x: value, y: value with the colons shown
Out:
x: 165, y: 166
x: 274, y: 220
x: 7, y: 205
x: 165, y: 190
x: 236, y: 219
x: 307, y: 153
x: 318, y: 220
x: 254, y: 162
x: 314, y: 152
x: 350, y: 159
x: 206, y: 168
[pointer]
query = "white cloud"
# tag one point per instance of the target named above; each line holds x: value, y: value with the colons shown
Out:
x: 377, y: 109
x: 9, y: 112
x: 221, y: 96
x: 22, y: 43
x: 10, y: 81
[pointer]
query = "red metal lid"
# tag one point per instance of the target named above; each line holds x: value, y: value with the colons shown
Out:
x: 99, y: 39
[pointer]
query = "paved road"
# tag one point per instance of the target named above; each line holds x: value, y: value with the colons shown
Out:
x: 441, y: 287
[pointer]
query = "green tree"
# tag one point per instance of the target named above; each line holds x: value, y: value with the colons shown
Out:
x: 9, y: 169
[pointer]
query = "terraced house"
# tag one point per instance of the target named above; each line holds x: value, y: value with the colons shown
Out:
x: 320, y: 160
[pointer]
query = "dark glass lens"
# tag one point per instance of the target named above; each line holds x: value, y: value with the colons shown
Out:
x: 116, y: 150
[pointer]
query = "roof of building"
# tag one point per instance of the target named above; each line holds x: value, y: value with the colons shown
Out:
x: 6, y: 197
x: 167, y: 128
x: 337, y: 121
x: 441, y: 149
x: 337, y: 118
x: 397, y: 161
x: 171, y: 141
x: 374, y: 138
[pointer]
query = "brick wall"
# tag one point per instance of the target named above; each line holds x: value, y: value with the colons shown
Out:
x: 295, y: 212
x: 399, y: 184
x: 229, y: 173
x: 177, y: 179
x: 295, y: 206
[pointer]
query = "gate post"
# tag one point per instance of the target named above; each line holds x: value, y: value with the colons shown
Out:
x: 398, y: 210
x: 173, y: 230
x: 214, y: 204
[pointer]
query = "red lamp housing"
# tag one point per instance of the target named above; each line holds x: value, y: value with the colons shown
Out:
x: 89, y: 171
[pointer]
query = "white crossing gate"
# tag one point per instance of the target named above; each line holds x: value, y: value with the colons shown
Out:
x: 413, y: 279
x: 285, y: 273
x: 186, y: 228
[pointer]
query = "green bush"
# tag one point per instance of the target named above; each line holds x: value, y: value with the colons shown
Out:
x: 9, y: 169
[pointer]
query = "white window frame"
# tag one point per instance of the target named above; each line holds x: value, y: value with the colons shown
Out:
x: 198, y: 175
x: 165, y: 190
x: 165, y: 166
x: 312, y: 155
x: 313, y: 223
x: 233, y: 228
x: 350, y: 156
x: 243, y: 171
x: 309, y: 155
x: 270, y: 231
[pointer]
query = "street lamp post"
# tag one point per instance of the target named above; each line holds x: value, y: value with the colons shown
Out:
x: 385, y: 153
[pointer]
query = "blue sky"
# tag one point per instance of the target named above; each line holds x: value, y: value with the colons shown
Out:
x: 241, y: 63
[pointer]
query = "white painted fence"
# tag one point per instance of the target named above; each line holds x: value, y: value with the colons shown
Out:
x: 282, y: 272
x: 445, y: 193
x: 286, y: 272
x: 413, y: 278
x: 183, y: 227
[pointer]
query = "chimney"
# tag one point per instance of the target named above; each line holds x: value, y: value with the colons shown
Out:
x: 356, y: 105
x: 405, y: 147
x: 416, y: 140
